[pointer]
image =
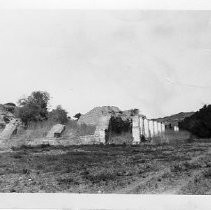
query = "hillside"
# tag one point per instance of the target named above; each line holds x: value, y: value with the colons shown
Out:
x: 174, y: 119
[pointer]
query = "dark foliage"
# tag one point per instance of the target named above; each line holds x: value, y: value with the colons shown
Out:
x: 58, y: 115
x: 9, y: 104
x: 78, y: 115
x: 118, y: 125
x: 10, y: 107
x: 33, y: 108
x: 199, y: 123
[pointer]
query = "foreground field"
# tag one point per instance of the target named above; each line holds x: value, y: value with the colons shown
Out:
x: 171, y: 168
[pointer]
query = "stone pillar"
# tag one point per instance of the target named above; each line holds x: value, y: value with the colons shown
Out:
x: 176, y: 128
x: 158, y: 130
x: 160, y: 127
x: 151, y: 128
x: 154, y: 128
x: 142, y: 125
x: 163, y: 127
x: 136, y: 130
x: 146, y: 128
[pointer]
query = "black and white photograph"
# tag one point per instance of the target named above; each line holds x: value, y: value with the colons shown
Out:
x: 105, y: 101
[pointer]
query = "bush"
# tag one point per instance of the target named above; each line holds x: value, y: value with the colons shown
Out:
x: 58, y: 115
x: 77, y: 116
x: 199, y: 123
x: 118, y: 125
x: 10, y: 107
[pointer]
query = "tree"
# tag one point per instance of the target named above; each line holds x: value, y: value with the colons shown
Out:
x: 199, y: 123
x: 34, y: 108
x: 59, y: 115
x: 78, y: 115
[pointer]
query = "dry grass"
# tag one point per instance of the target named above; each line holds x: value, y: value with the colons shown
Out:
x: 170, y: 136
x: 93, y: 168
x: 124, y: 138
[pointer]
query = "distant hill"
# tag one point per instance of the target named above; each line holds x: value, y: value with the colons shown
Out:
x: 174, y: 119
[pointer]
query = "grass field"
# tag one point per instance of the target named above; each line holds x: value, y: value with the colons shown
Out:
x: 147, y: 168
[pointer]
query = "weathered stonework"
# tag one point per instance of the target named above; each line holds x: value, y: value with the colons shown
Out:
x: 101, y: 128
x: 163, y: 127
x: 136, y: 130
x: 151, y: 128
x: 92, y: 117
x: 142, y: 125
x: 56, y: 131
x: 146, y: 128
x: 176, y: 128
x: 9, y: 130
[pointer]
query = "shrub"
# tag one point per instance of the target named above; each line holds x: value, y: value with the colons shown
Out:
x: 10, y: 107
x: 58, y: 115
x: 77, y: 116
x: 118, y: 125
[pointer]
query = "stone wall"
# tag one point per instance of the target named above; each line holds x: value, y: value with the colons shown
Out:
x: 101, y: 128
x: 56, y: 131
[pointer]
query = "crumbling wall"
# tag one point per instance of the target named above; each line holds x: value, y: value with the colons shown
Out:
x: 9, y: 130
x: 92, y: 117
x: 102, y: 128
x: 56, y: 131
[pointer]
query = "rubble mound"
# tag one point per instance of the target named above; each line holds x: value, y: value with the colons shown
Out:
x: 92, y: 117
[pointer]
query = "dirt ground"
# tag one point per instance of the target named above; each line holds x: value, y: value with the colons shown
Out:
x: 183, y: 168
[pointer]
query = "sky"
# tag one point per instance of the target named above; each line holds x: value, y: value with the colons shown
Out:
x: 157, y: 61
